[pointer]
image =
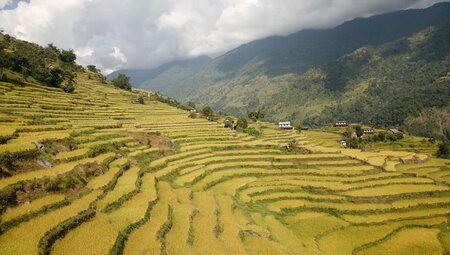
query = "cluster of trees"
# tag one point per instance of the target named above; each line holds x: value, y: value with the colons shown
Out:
x: 255, y: 115
x: 122, y: 82
x: 354, y: 137
x: 48, y: 65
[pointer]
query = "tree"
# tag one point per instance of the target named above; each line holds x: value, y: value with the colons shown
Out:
x: 255, y: 115
x: 92, y: 68
x: 207, y: 111
x: 122, y: 81
x: 444, y: 150
x: 242, y: 123
x: 141, y: 99
x: 54, y: 77
x: 67, y: 56
x: 359, y: 131
x: 190, y: 105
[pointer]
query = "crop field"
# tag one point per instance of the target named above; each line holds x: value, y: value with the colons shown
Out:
x: 113, y: 176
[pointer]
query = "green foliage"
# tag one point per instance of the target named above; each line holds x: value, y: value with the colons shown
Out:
x: 122, y: 81
x: 6, y: 161
x: 444, y: 150
x: 252, y: 131
x: 69, y: 88
x: 93, y: 68
x: 359, y: 131
x: 255, y: 115
x: 141, y: 99
x: 47, y: 65
x: 68, y: 56
x: 192, y: 115
x: 242, y: 123
x: 207, y: 111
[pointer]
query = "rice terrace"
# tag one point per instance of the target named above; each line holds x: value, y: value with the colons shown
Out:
x: 93, y: 166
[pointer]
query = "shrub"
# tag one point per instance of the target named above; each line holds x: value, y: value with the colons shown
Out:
x: 253, y: 131
x: 242, y: 123
x: 141, y: 99
x: 7, y: 160
x: 192, y: 115
x: 69, y: 88
x: 255, y: 115
x: 444, y: 150
x: 207, y: 111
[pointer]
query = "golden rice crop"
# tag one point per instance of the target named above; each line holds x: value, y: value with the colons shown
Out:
x: 24, y: 239
x: 125, y: 184
x: 411, y: 241
x: 343, y: 241
x: 35, y: 205
x: 394, y: 189
x: 56, y: 170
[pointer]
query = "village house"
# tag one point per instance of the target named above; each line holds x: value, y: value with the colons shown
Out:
x: 369, y: 131
x: 285, y: 125
x: 341, y: 124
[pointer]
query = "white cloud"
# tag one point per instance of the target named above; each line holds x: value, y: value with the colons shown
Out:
x: 145, y: 33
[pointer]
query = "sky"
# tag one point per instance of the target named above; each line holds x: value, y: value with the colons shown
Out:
x: 115, y: 34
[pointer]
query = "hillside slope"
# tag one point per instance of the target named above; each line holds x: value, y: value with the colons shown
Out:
x: 131, y: 178
x: 382, y: 85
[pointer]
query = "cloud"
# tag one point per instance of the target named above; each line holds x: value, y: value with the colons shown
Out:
x: 145, y: 33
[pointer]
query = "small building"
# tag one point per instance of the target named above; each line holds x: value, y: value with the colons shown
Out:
x: 343, y: 143
x: 393, y: 131
x: 341, y: 124
x: 369, y: 131
x: 305, y: 127
x: 285, y: 125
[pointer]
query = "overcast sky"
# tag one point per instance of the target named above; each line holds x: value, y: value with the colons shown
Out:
x: 117, y: 34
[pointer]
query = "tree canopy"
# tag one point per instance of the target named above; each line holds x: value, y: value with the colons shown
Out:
x: 122, y: 81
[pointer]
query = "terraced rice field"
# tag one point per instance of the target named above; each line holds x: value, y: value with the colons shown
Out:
x: 128, y: 178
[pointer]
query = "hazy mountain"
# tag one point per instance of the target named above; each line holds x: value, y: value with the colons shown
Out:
x: 139, y: 76
x: 295, y: 53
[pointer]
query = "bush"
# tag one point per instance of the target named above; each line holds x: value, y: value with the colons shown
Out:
x: 69, y: 88
x: 255, y: 115
x: 67, y: 56
x: 242, y: 123
x: 207, y: 111
x: 7, y: 160
x: 444, y: 150
x: 253, y: 131
x: 141, y: 100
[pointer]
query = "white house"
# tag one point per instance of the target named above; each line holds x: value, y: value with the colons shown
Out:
x: 285, y: 125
